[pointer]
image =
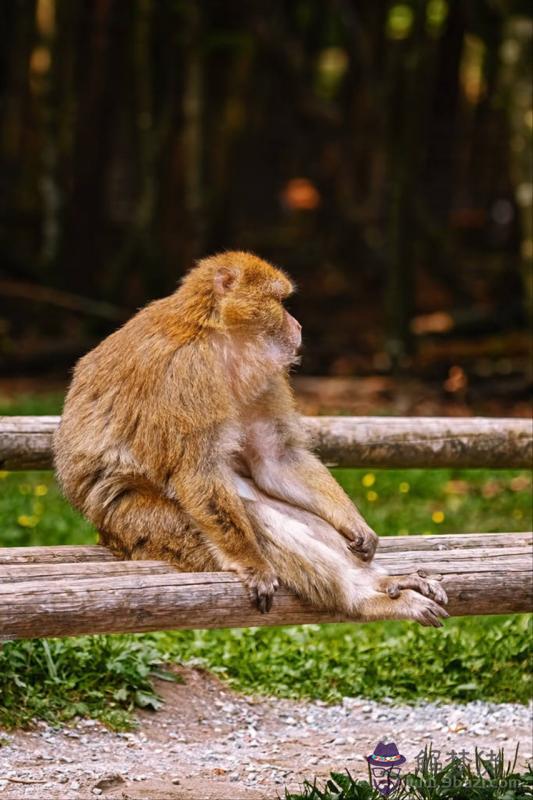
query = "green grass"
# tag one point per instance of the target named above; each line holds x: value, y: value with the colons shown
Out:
x: 480, y: 659
x: 42, y: 403
x: 103, y: 677
x: 441, y: 500
x: 106, y: 676
x: 32, y: 510
x: 483, y: 779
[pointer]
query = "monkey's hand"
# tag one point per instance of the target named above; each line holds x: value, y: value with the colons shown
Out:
x: 362, y: 540
x: 421, y: 597
x: 262, y: 584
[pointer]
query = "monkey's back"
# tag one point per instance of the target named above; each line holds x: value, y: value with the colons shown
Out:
x: 110, y: 396
x: 131, y: 401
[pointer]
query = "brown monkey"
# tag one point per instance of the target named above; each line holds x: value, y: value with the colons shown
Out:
x: 179, y: 440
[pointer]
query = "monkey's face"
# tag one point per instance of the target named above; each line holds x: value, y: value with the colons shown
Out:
x: 291, y: 332
x: 252, y: 293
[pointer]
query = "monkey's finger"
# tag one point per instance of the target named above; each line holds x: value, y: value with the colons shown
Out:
x: 261, y: 602
x: 263, y: 593
x: 362, y: 551
x: 429, y: 619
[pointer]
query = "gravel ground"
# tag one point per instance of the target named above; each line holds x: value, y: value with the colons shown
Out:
x: 209, y: 743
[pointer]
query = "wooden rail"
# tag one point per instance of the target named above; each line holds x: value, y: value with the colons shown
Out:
x: 65, y: 591
x: 26, y: 442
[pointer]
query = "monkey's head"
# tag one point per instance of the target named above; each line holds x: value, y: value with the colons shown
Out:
x: 245, y: 295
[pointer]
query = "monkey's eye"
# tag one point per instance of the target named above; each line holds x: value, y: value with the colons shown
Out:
x: 286, y: 303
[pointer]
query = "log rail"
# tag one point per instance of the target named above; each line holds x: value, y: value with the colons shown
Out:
x: 65, y: 591
x: 402, y: 442
x: 72, y: 590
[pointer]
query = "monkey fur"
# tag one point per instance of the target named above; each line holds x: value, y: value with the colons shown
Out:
x: 180, y: 441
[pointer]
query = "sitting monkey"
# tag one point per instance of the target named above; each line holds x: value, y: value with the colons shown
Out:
x: 180, y: 441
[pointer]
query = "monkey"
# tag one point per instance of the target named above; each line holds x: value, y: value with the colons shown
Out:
x: 180, y: 441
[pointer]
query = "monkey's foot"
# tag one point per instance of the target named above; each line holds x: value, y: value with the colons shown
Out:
x: 362, y: 541
x: 420, y: 608
x: 393, y: 585
x: 262, y: 586
x: 413, y: 597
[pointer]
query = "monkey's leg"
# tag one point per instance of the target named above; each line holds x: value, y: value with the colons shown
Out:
x: 310, y: 558
x: 207, y: 494
x: 138, y: 522
x: 141, y: 524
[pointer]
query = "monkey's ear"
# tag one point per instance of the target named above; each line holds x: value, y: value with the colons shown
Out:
x: 224, y: 281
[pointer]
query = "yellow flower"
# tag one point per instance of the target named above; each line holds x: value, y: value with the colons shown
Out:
x: 372, y: 496
x: 24, y: 488
x: 404, y: 487
x: 3, y: 474
x: 368, y: 480
x: 518, y: 513
x: 41, y: 490
x: 28, y: 521
x: 438, y: 517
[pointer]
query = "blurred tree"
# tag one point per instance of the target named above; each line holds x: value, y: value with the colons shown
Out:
x: 517, y: 86
x: 378, y: 151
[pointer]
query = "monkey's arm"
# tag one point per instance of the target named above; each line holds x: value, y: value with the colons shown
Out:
x: 282, y: 466
x: 206, y: 491
x: 196, y: 438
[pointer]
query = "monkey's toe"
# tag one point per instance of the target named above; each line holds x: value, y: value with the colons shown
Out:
x: 437, y: 592
x: 431, y: 616
x: 264, y: 596
x: 427, y: 588
x: 431, y: 588
x: 423, y: 609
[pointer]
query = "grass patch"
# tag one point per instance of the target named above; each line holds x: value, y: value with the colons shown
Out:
x: 468, y: 659
x: 106, y: 677
x: 103, y: 677
x: 495, y: 779
x: 403, y: 502
x: 32, y: 404
x: 32, y: 510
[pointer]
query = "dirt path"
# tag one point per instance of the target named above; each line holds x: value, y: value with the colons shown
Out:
x: 208, y: 743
